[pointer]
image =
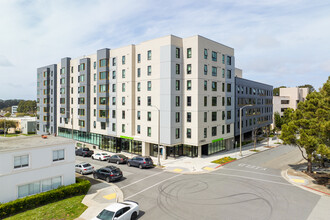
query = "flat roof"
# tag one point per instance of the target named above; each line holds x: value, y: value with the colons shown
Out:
x: 24, y: 142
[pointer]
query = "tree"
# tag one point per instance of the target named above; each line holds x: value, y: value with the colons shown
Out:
x: 276, y: 91
x: 278, y: 120
x: 266, y: 131
x: 7, y: 114
x: 9, y: 124
x: 309, y: 127
x: 310, y: 88
x: 28, y: 106
x: 287, y: 116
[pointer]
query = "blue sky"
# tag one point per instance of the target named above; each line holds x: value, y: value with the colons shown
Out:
x: 277, y: 42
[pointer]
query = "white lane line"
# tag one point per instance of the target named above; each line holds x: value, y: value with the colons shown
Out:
x: 244, y: 177
x: 141, y: 179
x: 250, y: 172
x: 152, y: 186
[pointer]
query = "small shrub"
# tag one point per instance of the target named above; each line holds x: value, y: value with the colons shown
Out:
x: 223, y: 160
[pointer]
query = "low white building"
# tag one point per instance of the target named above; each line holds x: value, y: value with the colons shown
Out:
x: 30, y: 165
x: 14, y: 109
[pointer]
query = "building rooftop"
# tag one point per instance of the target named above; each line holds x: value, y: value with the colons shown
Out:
x: 23, y: 142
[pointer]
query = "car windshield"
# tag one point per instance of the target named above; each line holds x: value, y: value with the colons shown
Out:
x: 105, y: 215
x: 104, y: 154
x: 87, y: 165
x: 86, y: 149
x: 148, y: 159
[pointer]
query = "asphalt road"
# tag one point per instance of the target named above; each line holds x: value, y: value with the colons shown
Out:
x: 250, y: 188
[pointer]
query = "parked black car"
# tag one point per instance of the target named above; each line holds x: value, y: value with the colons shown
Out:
x: 85, y: 152
x: 108, y: 173
x: 141, y: 162
x: 118, y: 158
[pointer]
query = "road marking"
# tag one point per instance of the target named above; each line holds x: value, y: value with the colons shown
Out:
x: 251, y: 172
x: 298, y: 180
x: 177, y: 170
x: 152, y: 186
x: 110, y: 196
x: 251, y: 166
x: 244, y: 177
x: 142, y: 179
x: 208, y: 168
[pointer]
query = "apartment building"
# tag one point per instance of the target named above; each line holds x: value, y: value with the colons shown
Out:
x: 176, y: 91
x: 30, y: 165
x: 289, y: 98
x: 256, y: 101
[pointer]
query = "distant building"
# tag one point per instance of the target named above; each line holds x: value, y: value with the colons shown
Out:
x: 30, y: 165
x: 289, y: 98
x: 14, y: 109
x: 28, y: 127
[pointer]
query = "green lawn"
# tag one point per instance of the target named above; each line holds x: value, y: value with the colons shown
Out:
x: 9, y: 135
x: 223, y: 160
x: 70, y: 208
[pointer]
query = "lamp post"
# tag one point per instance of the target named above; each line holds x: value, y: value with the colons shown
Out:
x: 240, y: 128
x: 158, y: 154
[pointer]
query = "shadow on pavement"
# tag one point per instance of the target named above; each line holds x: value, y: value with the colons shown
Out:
x: 141, y: 214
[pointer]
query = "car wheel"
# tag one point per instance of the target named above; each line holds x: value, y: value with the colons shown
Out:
x: 92, y: 158
x: 84, y: 155
x: 94, y: 176
x: 108, y: 161
x: 117, y: 161
x: 128, y: 164
x: 81, y: 172
x: 100, y: 159
x: 140, y: 166
x: 134, y: 216
x: 108, y: 179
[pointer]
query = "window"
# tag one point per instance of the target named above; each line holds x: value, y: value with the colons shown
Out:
x: 138, y: 129
x: 94, y: 112
x: 177, y: 85
x: 39, y: 186
x: 81, y: 123
x: 123, y: 100
x: 122, y: 114
x: 138, y: 72
x: 113, y: 74
x: 205, y: 53
x: 103, y: 100
x: 149, y: 116
x: 113, y: 113
x: 228, y: 128
x: 103, y: 62
x: 214, y: 56
x: 214, y: 86
x: 149, y: 70
x: 228, y: 60
x: 214, y: 131
x: 149, y: 132
x: 114, y: 61
x: 188, y: 84
x: 214, y: 101
x: 123, y: 128
x: 214, y: 116
x: 214, y: 71
x: 82, y: 66
x: 113, y: 87
x: 21, y: 161
x: 94, y: 65
x: 113, y: 100
x: 188, y: 52
x: 123, y: 87
x: 149, y: 55
x: 205, y: 116
x: 81, y: 111
x: 123, y: 74
x: 228, y: 101
x: 103, y: 113
x: 177, y: 133
x: 223, y: 73
x: 188, y: 116
x: 229, y: 74
x: 62, y: 72
x: 177, y: 101
x: 149, y: 86
x: 149, y: 100
x: 177, y: 69
x: 205, y: 69
x: 228, y: 115
x: 223, y: 129
x: 62, y: 110
x: 205, y: 85
x: 62, y: 91
x: 103, y: 125
x: 223, y: 87
x: 94, y: 89
x: 177, y: 117
x: 138, y: 100
x: 102, y: 88
x: 94, y: 123
x: 223, y: 59
x: 188, y: 100
x: 103, y: 75
x: 228, y: 87
x: 188, y: 133
x: 62, y: 81
x: 94, y: 100
x: 138, y: 87
x: 113, y: 126
x: 138, y: 115
x: 62, y: 100
x: 205, y: 132
x: 58, y: 155
x: 188, y: 68
x: 223, y: 115
x: 139, y: 58
x: 123, y: 60
x: 177, y: 52
x: 205, y: 100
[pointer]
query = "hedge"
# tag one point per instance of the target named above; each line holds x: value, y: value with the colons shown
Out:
x: 81, y: 187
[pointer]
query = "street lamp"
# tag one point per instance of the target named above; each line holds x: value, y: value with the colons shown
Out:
x: 240, y: 128
x: 158, y: 155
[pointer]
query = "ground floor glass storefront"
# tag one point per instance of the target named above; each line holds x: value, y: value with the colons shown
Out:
x: 212, y: 148
x: 182, y: 150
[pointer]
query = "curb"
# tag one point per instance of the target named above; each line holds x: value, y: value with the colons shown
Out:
x: 226, y: 163
x: 119, y: 193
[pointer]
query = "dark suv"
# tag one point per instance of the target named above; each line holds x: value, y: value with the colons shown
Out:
x: 141, y: 162
x: 108, y: 173
x: 85, y: 152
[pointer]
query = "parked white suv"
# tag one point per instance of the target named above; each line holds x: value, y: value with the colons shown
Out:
x: 100, y: 156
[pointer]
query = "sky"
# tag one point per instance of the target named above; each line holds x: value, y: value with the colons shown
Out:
x: 276, y: 42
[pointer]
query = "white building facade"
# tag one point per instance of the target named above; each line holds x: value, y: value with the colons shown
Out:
x: 31, y: 165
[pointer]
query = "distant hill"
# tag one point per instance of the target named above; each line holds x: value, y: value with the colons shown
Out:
x: 9, y: 103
